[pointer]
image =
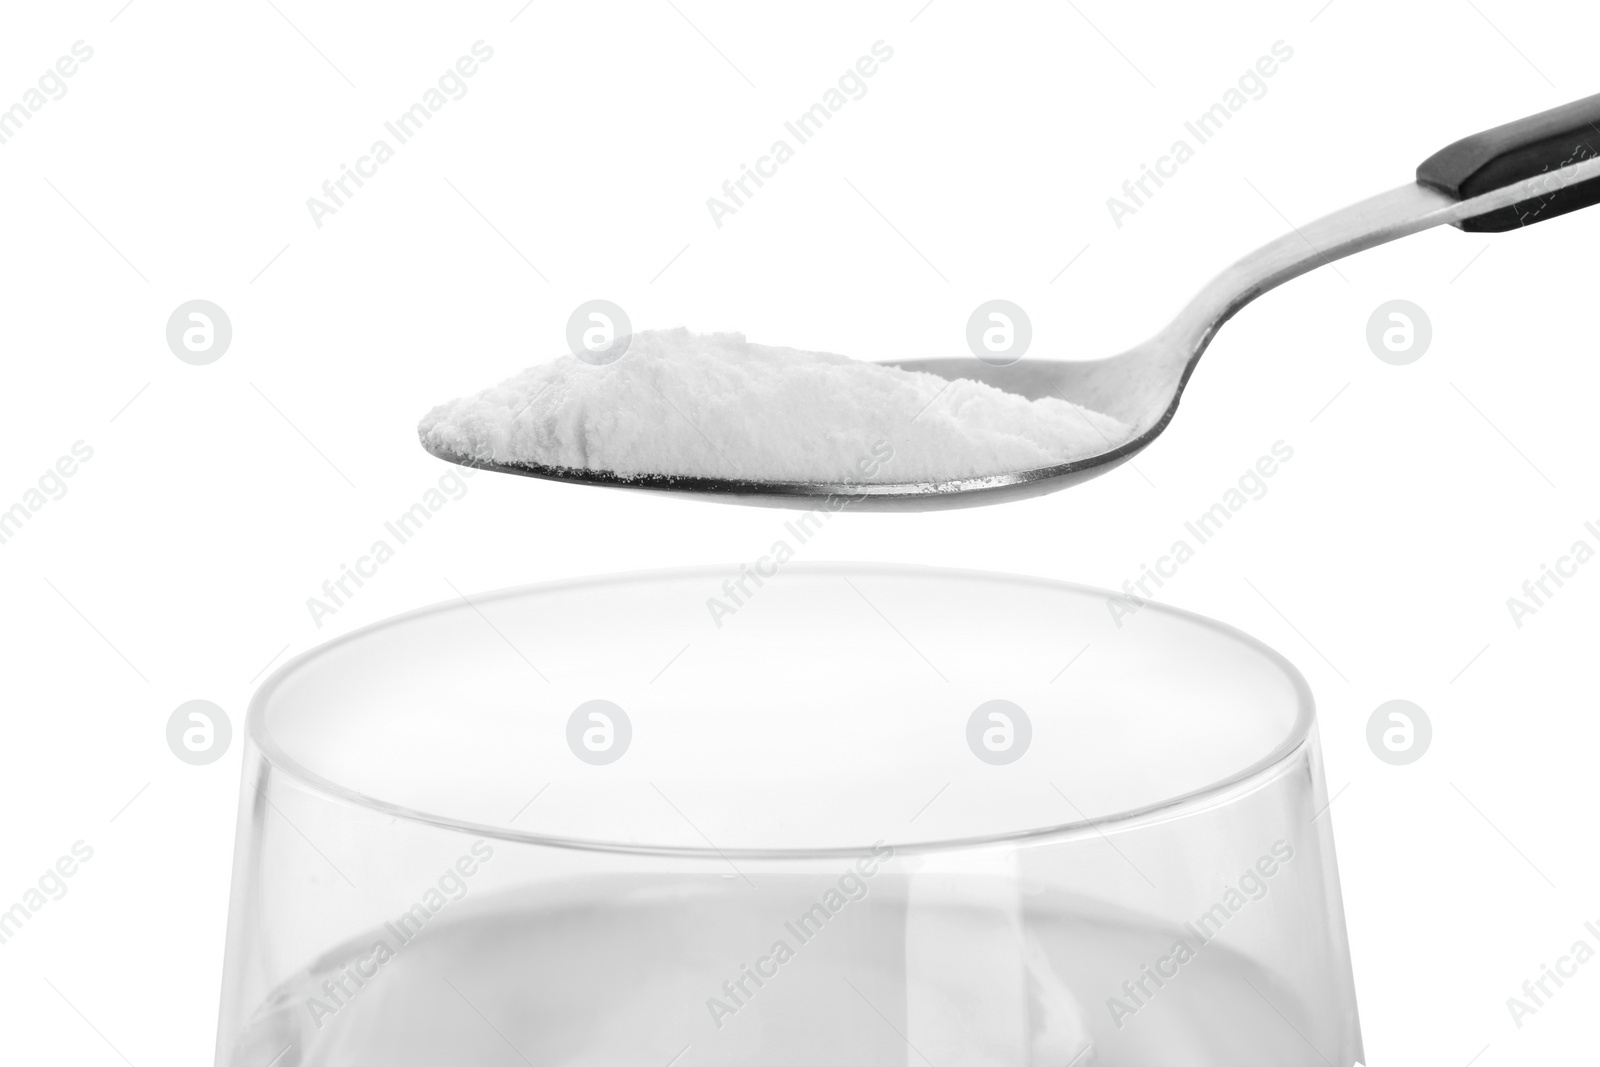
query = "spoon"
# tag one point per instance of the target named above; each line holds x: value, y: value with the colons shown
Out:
x: 1502, y: 179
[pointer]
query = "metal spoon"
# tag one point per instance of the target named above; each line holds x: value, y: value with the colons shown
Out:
x: 1502, y: 179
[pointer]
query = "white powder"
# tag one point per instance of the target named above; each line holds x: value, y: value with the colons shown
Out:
x: 714, y: 405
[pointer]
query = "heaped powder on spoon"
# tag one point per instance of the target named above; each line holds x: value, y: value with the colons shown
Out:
x: 714, y: 405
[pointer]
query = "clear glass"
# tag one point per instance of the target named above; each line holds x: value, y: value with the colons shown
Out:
x: 787, y: 815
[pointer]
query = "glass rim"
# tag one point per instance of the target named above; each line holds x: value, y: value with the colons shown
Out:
x: 1265, y: 768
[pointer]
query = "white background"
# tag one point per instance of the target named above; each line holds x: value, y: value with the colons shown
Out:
x: 219, y: 498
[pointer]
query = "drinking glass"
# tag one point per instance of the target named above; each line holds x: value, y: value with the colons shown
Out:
x: 787, y: 814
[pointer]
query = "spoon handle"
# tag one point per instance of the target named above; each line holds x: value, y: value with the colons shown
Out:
x: 1516, y: 152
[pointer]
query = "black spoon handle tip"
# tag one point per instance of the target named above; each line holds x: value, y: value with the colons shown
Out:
x: 1519, y: 150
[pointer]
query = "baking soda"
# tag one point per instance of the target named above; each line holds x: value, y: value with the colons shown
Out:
x: 716, y: 406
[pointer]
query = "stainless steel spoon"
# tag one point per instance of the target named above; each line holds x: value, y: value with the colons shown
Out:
x: 1502, y: 179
